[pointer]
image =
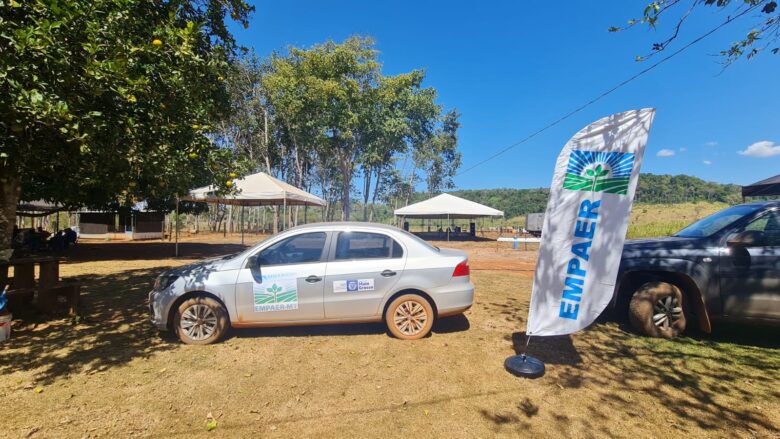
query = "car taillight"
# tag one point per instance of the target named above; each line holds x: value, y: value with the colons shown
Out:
x: 462, y: 269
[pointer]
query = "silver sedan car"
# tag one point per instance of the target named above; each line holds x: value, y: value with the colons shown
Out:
x: 316, y: 274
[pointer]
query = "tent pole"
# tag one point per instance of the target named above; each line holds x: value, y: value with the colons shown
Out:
x: 284, y: 211
x: 242, y: 224
x: 448, y: 227
x: 176, y: 251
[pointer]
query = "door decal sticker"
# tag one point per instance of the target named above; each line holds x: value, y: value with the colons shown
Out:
x: 353, y: 285
x: 276, y: 292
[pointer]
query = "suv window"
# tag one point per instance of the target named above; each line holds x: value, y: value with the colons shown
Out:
x: 716, y: 222
x: 298, y: 249
x: 364, y: 245
x: 769, y: 227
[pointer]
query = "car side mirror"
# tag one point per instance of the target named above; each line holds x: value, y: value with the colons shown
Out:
x: 253, y: 264
x: 748, y: 238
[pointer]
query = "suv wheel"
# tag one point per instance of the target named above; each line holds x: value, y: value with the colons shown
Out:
x: 656, y: 310
x: 200, y: 320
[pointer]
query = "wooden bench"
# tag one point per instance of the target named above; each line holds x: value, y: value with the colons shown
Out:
x: 49, y: 288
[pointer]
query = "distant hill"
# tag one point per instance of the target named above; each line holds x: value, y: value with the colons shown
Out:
x: 652, y: 189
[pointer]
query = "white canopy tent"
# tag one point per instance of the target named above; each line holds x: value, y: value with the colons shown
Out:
x: 449, y: 207
x: 258, y: 189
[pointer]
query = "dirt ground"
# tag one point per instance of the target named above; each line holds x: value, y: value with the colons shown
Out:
x: 110, y: 373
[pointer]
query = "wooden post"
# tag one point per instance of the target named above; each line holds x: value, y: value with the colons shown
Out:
x: 176, y: 251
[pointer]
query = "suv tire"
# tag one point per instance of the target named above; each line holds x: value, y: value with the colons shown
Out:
x: 656, y: 310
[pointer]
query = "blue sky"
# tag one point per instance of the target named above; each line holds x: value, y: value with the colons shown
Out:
x: 512, y: 67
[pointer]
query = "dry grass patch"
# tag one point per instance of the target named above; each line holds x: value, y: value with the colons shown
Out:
x: 111, y: 374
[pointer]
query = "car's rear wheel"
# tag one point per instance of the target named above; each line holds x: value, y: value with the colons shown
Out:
x: 409, y: 317
x: 200, y: 320
x: 656, y: 310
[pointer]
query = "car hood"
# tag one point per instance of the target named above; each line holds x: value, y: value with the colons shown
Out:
x: 637, y: 247
x: 204, y: 266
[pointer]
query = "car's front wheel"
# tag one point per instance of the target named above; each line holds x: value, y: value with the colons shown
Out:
x: 656, y: 310
x: 200, y: 320
x: 409, y: 317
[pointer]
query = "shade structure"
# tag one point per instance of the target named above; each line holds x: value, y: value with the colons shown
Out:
x: 258, y: 189
x: 763, y: 188
x: 37, y: 208
x: 447, y: 206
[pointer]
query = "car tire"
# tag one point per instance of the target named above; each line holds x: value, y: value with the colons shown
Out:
x: 409, y: 317
x: 657, y: 310
x: 200, y: 320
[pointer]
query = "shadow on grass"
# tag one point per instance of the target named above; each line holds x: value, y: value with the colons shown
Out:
x: 114, y: 329
x: 444, y: 325
x: 709, y: 382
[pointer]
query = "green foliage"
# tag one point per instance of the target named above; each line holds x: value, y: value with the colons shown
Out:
x: 105, y: 102
x: 764, y: 34
x: 329, y: 113
x: 652, y: 189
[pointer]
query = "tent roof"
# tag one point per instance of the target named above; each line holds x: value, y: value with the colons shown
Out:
x: 447, y: 206
x: 770, y: 186
x: 37, y: 208
x: 257, y: 190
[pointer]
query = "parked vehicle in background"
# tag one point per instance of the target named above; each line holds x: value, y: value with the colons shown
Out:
x: 725, y: 267
x: 314, y: 274
x: 534, y: 223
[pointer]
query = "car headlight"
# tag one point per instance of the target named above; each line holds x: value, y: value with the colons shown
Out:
x: 164, y: 281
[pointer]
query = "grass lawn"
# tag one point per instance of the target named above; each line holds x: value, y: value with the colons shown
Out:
x: 112, y: 374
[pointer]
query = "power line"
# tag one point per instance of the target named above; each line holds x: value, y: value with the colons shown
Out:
x: 611, y: 90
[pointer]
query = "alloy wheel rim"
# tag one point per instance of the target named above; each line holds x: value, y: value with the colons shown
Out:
x: 199, y: 322
x: 410, y: 317
x: 666, y: 312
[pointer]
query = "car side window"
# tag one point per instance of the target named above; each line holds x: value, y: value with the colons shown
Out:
x: 365, y: 245
x: 298, y: 249
x: 769, y: 227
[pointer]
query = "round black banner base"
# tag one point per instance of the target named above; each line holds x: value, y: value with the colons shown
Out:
x: 524, y: 366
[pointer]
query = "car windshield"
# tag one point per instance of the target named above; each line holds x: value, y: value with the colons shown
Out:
x: 714, y: 223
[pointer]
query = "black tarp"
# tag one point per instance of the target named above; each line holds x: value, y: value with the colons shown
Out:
x: 763, y: 188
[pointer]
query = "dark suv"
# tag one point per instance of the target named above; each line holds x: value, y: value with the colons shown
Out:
x: 725, y: 267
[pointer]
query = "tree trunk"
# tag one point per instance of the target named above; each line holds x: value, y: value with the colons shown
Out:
x: 9, y: 197
x: 346, y: 170
x: 229, y: 224
x: 376, y: 192
x: 367, y: 173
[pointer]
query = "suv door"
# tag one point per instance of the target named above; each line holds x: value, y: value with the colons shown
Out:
x: 286, y: 281
x: 363, y: 267
x: 750, y: 274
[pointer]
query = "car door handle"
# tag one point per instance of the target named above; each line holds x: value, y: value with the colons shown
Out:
x: 313, y: 279
x: 388, y: 273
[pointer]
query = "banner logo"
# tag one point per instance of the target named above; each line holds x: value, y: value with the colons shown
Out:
x: 591, y: 171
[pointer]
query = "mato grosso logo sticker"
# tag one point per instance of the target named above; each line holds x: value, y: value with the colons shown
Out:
x: 591, y: 171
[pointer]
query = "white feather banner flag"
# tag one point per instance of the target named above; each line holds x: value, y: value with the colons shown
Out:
x: 585, y: 223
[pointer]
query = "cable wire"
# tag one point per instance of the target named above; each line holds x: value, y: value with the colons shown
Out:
x: 610, y: 91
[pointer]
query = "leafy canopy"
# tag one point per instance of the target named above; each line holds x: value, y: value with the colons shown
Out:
x: 105, y: 102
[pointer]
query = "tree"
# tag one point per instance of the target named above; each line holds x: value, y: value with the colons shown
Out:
x: 439, y: 158
x: 336, y: 114
x: 763, y: 36
x: 104, y: 102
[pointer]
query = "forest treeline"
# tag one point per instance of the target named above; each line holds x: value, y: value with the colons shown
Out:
x: 652, y: 189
